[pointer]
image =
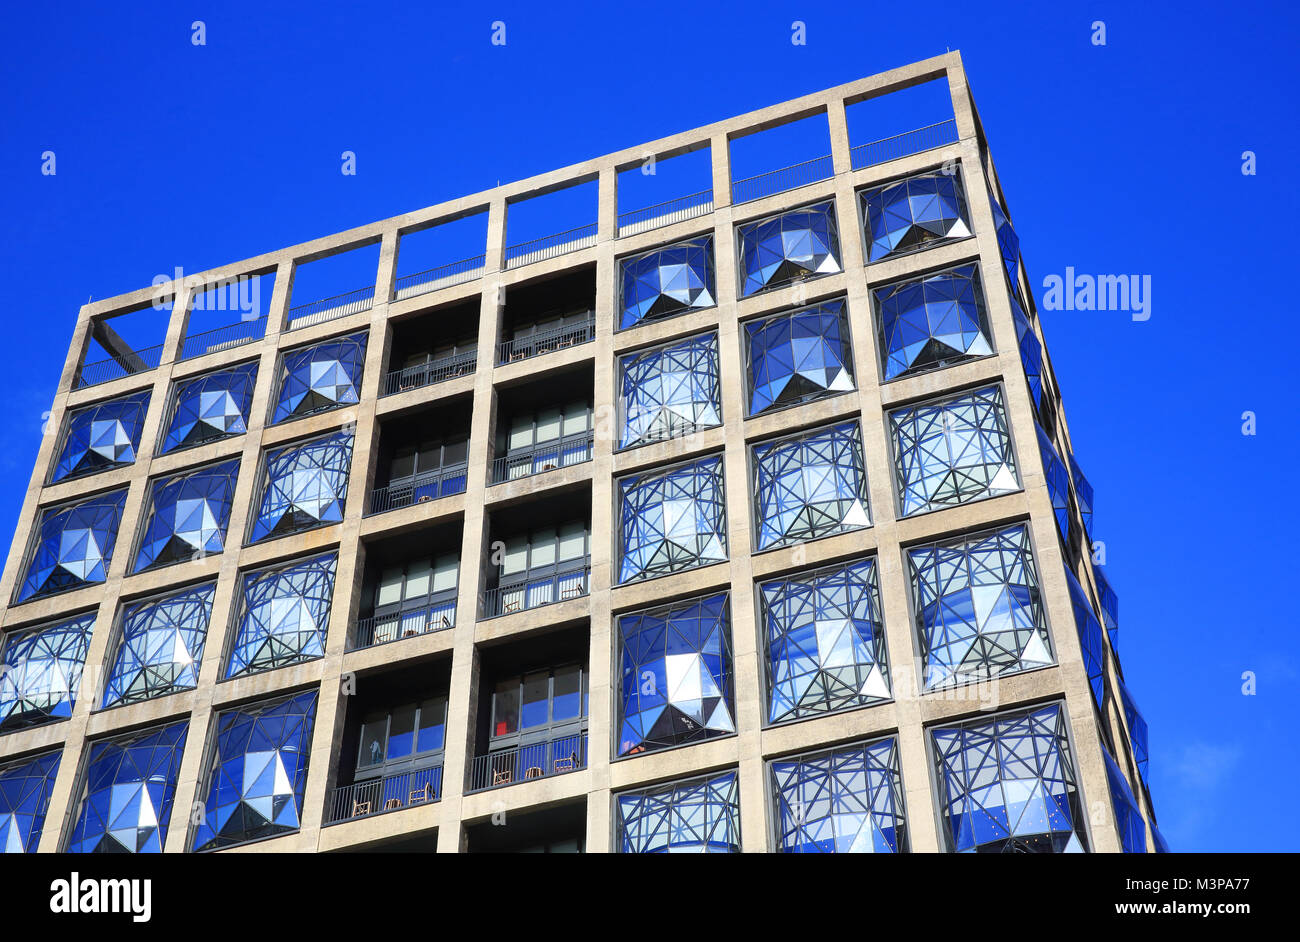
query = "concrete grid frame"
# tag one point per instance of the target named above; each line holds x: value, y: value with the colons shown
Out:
x: 909, y: 715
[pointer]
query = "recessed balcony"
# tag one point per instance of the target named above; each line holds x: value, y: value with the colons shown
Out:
x: 409, y: 586
x: 534, y: 697
x: 423, y: 457
x: 391, y: 755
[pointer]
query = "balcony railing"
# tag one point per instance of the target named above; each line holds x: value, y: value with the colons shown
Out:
x: 559, y: 453
x: 535, y: 592
x: 223, y: 338
x: 536, y: 250
x: 547, y: 341
x: 381, y: 629
x: 328, y: 309
x: 903, y: 145
x: 778, y: 181
x: 665, y: 213
x: 444, y: 276
x: 418, y: 489
x: 390, y: 793
x: 426, y: 374
x: 103, y: 371
x: 525, y: 763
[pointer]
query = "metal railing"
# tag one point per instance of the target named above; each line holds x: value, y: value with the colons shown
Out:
x: 381, y: 629
x: 426, y: 374
x: 389, y: 793
x: 536, y: 592
x: 418, y: 488
x: 903, y: 145
x: 778, y: 181
x: 547, y: 341
x: 444, y: 276
x: 525, y: 763
x: 536, y: 250
x: 103, y: 371
x: 665, y: 213
x: 223, y: 338
x: 328, y: 309
x: 557, y: 453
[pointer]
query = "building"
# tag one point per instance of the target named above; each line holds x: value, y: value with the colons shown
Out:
x: 748, y: 520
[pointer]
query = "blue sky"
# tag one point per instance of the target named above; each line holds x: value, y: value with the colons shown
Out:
x: 1117, y: 159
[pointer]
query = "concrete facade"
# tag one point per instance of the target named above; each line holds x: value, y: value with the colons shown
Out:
x: 459, y: 649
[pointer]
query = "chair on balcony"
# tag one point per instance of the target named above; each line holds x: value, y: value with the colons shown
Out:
x: 572, y: 592
x: 392, y: 803
x: 419, y: 795
x: 501, y: 777
x: 360, y: 808
x: 534, y: 772
x: 567, y: 765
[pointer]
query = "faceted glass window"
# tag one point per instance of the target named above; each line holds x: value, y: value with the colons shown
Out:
x: 931, y: 322
x: 1109, y: 607
x: 305, y: 486
x: 700, y: 816
x: 845, y: 801
x: 1162, y: 846
x: 672, y: 520
x: 799, y: 244
x: 1085, y: 620
x: 979, y: 610
x: 73, y: 546
x: 1007, y: 784
x: 798, y: 357
x: 914, y: 213
x: 321, y: 377
x: 1128, y: 817
x: 954, y: 451
x: 283, y: 616
x: 1031, y: 353
x: 667, y: 282
x: 102, y: 436
x: 161, y: 647
x: 126, y: 799
x: 810, y: 486
x: 676, y: 682
x: 258, y: 772
x: 1083, y: 493
x: 1058, y: 484
x: 25, y: 788
x: 1008, y: 246
x: 188, y: 516
x: 41, y: 671
x: 669, y: 391
x: 1137, y: 729
x: 210, y: 407
x: 825, y: 642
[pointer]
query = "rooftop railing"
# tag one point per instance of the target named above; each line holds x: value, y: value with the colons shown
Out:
x: 535, y: 592
x: 547, y: 341
x: 418, y: 488
x: 426, y: 374
x: 328, y: 309
x: 525, y: 763
x: 547, y: 456
x: 665, y: 213
x: 223, y: 338
x: 903, y: 145
x: 778, y: 181
x: 536, y: 250
x: 390, y: 793
x: 103, y: 371
x: 382, y: 629
x: 444, y: 276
